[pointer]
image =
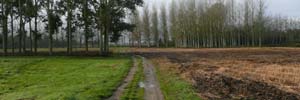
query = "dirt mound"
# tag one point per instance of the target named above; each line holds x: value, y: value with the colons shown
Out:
x: 216, y: 86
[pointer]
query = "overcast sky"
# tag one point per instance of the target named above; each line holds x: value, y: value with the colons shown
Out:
x: 289, y: 8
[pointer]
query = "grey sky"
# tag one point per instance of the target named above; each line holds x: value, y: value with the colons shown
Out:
x: 288, y: 8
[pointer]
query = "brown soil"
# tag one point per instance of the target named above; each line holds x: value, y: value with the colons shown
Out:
x: 217, y: 86
x: 239, y: 73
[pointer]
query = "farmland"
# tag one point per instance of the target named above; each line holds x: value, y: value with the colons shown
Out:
x: 232, y: 73
x: 193, y: 74
x: 49, y: 78
x: 149, y: 50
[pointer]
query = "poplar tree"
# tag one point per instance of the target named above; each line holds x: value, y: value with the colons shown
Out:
x: 164, y: 26
x: 146, y: 26
x: 155, y: 23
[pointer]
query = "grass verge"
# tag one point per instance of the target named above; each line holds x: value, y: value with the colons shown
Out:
x: 172, y: 86
x: 133, y: 91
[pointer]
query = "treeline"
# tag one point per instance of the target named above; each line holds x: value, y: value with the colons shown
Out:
x: 213, y: 23
x: 27, y: 25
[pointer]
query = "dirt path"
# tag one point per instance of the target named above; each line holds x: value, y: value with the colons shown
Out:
x: 118, y: 93
x: 152, y: 88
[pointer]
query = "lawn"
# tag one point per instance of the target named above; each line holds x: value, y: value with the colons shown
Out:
x: 54, y: 78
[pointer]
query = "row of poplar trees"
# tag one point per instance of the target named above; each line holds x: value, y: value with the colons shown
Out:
x: 213, y: 24
x: 35, y: 21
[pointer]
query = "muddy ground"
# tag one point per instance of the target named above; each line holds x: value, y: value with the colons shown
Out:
x: 243, y: 74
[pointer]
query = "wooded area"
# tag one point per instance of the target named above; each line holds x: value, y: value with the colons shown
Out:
x: 149, y: 50
x: 63, y: 24
x: 214, y: 23
x: 27, y: 25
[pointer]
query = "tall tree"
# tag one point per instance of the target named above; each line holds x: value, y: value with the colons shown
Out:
x: 69, y: 7
x: 21, y: 25
x: 87, y: 16
x: 69, y: 25
x: 155, y: 23
x: 5, y: 10
x: 29, y: 15
x: 69, y: 10
x: 111, y: 15
x: 164, y: 26
x: 173, y: 22
x: 50, y: 16
x: 260, y: 22
x: 54, y: 11
x: 136, y: 35
x: 12, y: 12
x: 37, y: 6
x: 146, y: 25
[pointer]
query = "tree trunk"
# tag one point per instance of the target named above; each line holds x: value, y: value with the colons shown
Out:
x: 24, y: 32
x: 4, y: 30
x: 12, y: 32
x: 24, y: 36
x: 93, y: 46
x: 69, y: 27
x: 140, y: 40
x: 50, y: 28
x: 30, y: 35
x: 80, y: 41
x: 86, y: 44
x: 86, y: 27
x: 104, y: 42
x: 99, y: 41
x: 20, y: 34
x: 5, y: 35
x: 35, y: 29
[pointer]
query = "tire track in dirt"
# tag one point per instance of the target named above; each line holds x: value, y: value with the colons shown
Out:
x: 118, y: 93
x: 152, y: 88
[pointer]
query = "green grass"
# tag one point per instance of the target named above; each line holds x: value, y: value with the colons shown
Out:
x: 173, y: 87
x: 61, y: 78
x: 133, y: 91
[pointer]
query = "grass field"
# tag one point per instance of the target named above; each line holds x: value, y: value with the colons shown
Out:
x: 66, y: 78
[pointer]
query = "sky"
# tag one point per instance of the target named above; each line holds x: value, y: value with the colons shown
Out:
x: 290, y: 8
x: 287, y: 8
